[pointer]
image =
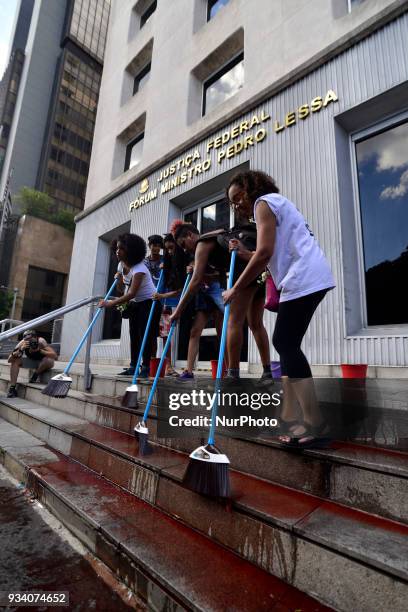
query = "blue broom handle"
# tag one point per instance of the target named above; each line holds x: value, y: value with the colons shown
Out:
x: 90, y: 326
x: 165, y: 349
x: 149, y: 321
x: 223, y: 342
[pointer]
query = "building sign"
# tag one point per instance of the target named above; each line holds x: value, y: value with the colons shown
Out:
x: 231, y: 143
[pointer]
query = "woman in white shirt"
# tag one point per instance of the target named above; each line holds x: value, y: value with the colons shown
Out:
x: 300, y: 271
x: 131, y: 250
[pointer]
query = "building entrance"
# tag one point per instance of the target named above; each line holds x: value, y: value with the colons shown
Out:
x: 209, y: 215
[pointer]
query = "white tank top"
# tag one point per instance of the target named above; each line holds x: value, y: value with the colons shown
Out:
x: 298, y: 266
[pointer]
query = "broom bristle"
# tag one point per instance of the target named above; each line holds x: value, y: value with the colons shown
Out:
x: 142, y: 434
x: 58, y: 386
x: 208, y: 472
x: 129, y: 400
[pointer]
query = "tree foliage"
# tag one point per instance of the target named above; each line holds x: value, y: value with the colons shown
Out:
x: 41, y: 205
x: 6, y: 300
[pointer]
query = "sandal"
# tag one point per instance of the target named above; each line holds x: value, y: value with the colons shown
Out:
x: 314, y: 437
x: 287, y: 428
x: 171, y: 371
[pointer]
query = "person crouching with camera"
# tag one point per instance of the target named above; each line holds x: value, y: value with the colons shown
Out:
x: 36, y: 349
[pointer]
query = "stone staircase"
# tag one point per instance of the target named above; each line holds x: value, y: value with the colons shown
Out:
x: 326, y: 526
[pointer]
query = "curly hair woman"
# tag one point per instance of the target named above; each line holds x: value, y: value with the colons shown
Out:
x: 286, y: 245
x: 131, y: 250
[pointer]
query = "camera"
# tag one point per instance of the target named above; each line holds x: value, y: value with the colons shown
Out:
x: 30, y: 336
x: 33, y: 342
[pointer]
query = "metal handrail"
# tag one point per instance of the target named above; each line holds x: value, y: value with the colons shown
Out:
x: 54, y: 314
x: 10, y: 322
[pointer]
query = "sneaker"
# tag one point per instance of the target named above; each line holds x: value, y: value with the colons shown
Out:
x: 127, y: 372
x: 144, y: 372
x: 12, y: 392
x: 34, y: 377
x: 184, y: 376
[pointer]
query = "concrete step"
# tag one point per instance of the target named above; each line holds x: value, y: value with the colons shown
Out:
x: 367, y: 478
x: 170, y: 566
x: 385, y: 394
x: 265, y: 524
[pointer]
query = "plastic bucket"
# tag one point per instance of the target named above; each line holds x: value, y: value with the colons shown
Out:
x: 154, y: 364
x: 357, y: 370
x: 214, y: 366
x: 276, y: 369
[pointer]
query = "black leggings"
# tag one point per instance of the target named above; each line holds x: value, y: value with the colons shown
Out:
x: 292, y: 322
x: 138, y: 316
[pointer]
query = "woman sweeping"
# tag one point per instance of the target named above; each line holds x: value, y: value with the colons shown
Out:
x: 301, y: 273
x: 174, y: 277
x: 131, y: 250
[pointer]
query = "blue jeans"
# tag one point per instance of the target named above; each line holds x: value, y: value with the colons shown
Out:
x: 209, y: 297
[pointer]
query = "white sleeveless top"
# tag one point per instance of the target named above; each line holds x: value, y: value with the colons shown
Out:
x: 298, y: 266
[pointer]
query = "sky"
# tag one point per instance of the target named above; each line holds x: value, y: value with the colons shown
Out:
x: 7, y: 10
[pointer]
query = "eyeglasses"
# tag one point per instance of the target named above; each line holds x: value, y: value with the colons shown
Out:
x: 234, y: 204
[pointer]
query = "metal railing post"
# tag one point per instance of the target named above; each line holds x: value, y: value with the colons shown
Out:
x: 87, y: 369
x: 13, y: 307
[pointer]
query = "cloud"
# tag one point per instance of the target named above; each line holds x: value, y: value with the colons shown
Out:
x: 391, y: 193
x: 390, y: 148
x: 226, y: 86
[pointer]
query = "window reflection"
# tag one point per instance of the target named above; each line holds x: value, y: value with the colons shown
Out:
x: 147, y: 14
x: 191, y: 217
x: 141, y: 78
x: 382, y: 162
x: 134, y: 152
x: 214, y: 6
x: 215, y: 216
x: 224, y: 84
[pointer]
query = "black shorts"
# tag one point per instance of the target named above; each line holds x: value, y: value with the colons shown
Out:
x: 35, y: 356
x: 240, y: 266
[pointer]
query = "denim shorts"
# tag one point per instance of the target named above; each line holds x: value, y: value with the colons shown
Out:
x: 209, y: 297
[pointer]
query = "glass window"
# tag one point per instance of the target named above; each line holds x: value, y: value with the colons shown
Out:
x: 191, y: 217
x: 382, y: 164
x: 147, y: 14
x: 352, y: 3
x: 141, y: 78
x: 214, y: 216
x: 112, y: 322
x: 43, y: 293
x: 134, y: 152
x: 223, y: 84
x: 214, y: 6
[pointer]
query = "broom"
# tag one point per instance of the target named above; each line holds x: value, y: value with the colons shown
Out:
x: 60, y: 384
x: 207, y: 471
x: 141, y: 430
x: 129, y: 400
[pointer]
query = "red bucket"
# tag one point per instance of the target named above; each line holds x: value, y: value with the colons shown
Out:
x: 154, y: 364
x: 357, y: 370
x: 214, y: 366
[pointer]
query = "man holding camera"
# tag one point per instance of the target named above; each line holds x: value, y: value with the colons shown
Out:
x: 37, y: 350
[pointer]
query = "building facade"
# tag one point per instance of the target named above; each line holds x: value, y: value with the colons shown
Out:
x: 47, y: 131
x: 312, y: 92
